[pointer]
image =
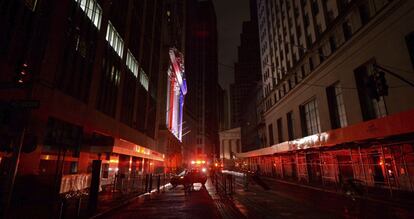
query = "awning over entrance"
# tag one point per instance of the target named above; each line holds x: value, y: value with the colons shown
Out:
x: 124, y: 147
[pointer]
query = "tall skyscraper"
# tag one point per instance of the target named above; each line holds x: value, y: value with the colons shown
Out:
x: 172, y: 85
x: 247, y: 77
x: 90, y: 69
x: 202, y: 77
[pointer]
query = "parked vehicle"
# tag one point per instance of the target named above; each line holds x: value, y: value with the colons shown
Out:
x: 189, y: 177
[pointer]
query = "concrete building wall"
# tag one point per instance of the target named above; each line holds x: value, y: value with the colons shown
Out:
x: 229, y: 143
x: 382, y: 38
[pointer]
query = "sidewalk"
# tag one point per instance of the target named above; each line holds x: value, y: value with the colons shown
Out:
x: 403, y: 199
x: 174, y: 203
x: 202, y: 203
x: 111, y: 201
x: 227, y: 207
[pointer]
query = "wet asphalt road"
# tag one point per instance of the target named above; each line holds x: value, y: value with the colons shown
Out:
x: 174, y: 203
x: 281, y: 201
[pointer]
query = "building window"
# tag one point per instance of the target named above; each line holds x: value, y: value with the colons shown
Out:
x: 114, y: 39
x: 346, y: 27
x: 310, y: 118
x: 109, y: 84
x: 289, y: 118
x: 311, y: 66
x: 279, y: 130
x: 330, y: 17
x: 342, y: 5
x: 132, y: 63
x: 410, y: 44
x: 364, y: 13
x: 92, y: 10
x: 143, y: 79
x: 336, y: 106
x: 372, y: 107
x: 315, y: 7
x: 271, y: 140
x: 306, y: 20
x: 321, y: 54
x: 332, y: 43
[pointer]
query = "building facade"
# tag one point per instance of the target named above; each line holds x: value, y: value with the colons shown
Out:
x: 247, y: 77
x: 229, y: 146
x: 172, y: 85
x: 93, y: 74
x: 202, y: 77
x: 223, y: 109
x: 247, y: 68
x: 328, y: 72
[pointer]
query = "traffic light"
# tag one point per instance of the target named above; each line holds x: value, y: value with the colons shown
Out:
x: 381, y: 84
x: 22, y: 75
x: 371, y: 86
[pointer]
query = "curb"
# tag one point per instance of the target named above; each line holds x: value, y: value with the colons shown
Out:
x: 127, y: 201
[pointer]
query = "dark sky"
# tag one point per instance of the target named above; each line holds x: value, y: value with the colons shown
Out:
x: 230, y: 16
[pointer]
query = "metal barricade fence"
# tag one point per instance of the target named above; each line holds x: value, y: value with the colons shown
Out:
x: 224, y: 183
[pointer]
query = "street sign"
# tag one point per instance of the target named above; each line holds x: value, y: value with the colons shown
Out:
x: 28, y: 104
x: 21, y: 104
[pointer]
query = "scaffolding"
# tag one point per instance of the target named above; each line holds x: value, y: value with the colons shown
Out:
x: 378, y: 166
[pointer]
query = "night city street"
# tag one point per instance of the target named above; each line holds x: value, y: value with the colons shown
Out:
x: 206, y: 109
x: 281, y: 201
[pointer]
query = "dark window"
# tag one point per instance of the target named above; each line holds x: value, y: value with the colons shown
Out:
x: 315, y: 7
x: 342, y: 5
x: 271, y: 140
x: 306, y: 20
x: 62, y: 135
x: 311, y: 66
x: 109, y: 84
x: 410, y: 44
x: 279, y: 130
x: 364, y: 14
x: 371, y: 108
x: 336, y: 106
x: 330, y: 16
x: 75, y: 73
x: 346, y: 27
x: 304, y: 2
x: 309, y: 40
x: 318, y: 29
x: 332, y: 43
x: 289, y: 118
x: 142, y: 108
x: 299, y: 31
x: 10, y: 11
x: 310, y: 118
x: 128, y: 99
x: 321, y: 55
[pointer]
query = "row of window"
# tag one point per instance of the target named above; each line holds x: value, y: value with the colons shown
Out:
x: 114, y: 39
x: 116, y: 42
x: 288, y: 42
x: 132, y: 63
x: 92, y: 10
x: 371, y: 107
x: 326, y: 48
